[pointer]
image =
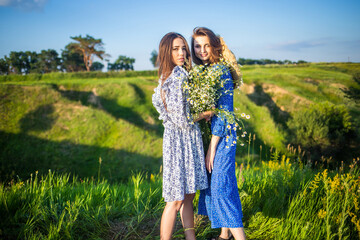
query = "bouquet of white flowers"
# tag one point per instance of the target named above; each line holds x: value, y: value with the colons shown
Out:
x: 201, y: 91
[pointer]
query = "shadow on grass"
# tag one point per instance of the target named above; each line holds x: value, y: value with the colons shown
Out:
x: 110, y: 106
x: 40, y: 119
x: 22, y: 155
x: 260, y: 98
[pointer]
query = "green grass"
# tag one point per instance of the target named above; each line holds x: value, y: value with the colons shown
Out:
x: 67, y: 124
x: 68, y: 127
x: 102, y: 137
x: 280, y: 200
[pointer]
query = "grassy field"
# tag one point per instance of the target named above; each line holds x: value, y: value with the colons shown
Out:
x: 280, y: 200
x: 102, y: 138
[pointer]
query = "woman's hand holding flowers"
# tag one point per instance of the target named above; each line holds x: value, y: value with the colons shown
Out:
x: 205, y: 115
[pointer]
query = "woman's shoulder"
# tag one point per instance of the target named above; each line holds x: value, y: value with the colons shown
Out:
x: 221, y: 66
x: 179, y: 70
x: 220, y: 69
x: 178, y: 73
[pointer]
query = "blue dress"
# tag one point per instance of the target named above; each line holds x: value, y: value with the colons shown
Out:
x: 221, y: 201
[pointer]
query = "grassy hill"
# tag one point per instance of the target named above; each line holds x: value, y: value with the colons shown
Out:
x: 71, y: 125
x: 104, y: 129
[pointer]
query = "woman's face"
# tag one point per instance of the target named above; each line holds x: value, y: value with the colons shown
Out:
x: 178, y: 51
x: 202, y: 48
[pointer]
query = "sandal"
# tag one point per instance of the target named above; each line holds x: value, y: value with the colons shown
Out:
x: 231, y: 237
x: 220, y: 238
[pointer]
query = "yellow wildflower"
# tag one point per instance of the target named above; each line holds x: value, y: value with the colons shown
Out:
x: 322, y: 213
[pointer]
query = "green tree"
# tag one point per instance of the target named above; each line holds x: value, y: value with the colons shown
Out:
x: 89, y: 47
x: 72, y: 59
x: 47, y: 61
x: 97, y: 66
x: 18, y: 62
x: 4, y: 67
x: 32, y: 59
x: 153, y: 58
x: 122, y: 63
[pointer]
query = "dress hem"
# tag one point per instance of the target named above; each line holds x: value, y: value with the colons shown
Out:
x: 185, y: 194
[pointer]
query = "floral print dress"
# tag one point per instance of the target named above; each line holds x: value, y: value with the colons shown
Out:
x: 183, y: 154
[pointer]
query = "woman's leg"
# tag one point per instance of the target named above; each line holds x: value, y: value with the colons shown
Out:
x: 238, y: 233
x: 225, y: 234
x: 168, y: 219
x: 187, y: 216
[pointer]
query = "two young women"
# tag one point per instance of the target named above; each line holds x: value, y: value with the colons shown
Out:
x: 184, y: 168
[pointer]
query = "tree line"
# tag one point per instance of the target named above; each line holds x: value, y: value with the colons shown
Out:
x: 249, y: 61
x: 241, y: 61
x: 76, y: 56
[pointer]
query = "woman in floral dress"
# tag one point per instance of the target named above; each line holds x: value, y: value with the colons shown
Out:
x: 183, y: 156
x: 221, y: 201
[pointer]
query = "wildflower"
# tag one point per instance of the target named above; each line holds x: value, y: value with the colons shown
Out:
x: 322, y: 213
x: 152, y: 178
x: 228, y: 126
x: 243, y: 115
x: 227, y: 146
x: 335, y: 183
x: 234, y: 142
x: 247, y: 116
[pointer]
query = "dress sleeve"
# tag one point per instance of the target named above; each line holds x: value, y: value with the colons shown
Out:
x: 158, y: 104
x: 219, y: 123
x: 177, y: 107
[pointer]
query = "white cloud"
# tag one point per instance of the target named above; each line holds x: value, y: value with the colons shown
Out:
x: 26, y: 5
x: 5, y: 2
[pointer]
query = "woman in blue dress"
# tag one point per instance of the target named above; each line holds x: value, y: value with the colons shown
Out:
x: 221, y: 201
x: 183, y: 155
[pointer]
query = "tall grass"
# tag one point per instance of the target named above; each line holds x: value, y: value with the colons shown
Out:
x: 280, y: 200
x: 59, y: 207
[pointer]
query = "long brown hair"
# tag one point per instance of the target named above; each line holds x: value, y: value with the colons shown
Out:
x: 215, y: 45
x: 165, y: 59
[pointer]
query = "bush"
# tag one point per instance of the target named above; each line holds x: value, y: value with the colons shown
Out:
x: 323, y: 129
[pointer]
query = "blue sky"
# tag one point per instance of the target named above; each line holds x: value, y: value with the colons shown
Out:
x: 316, y: 30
